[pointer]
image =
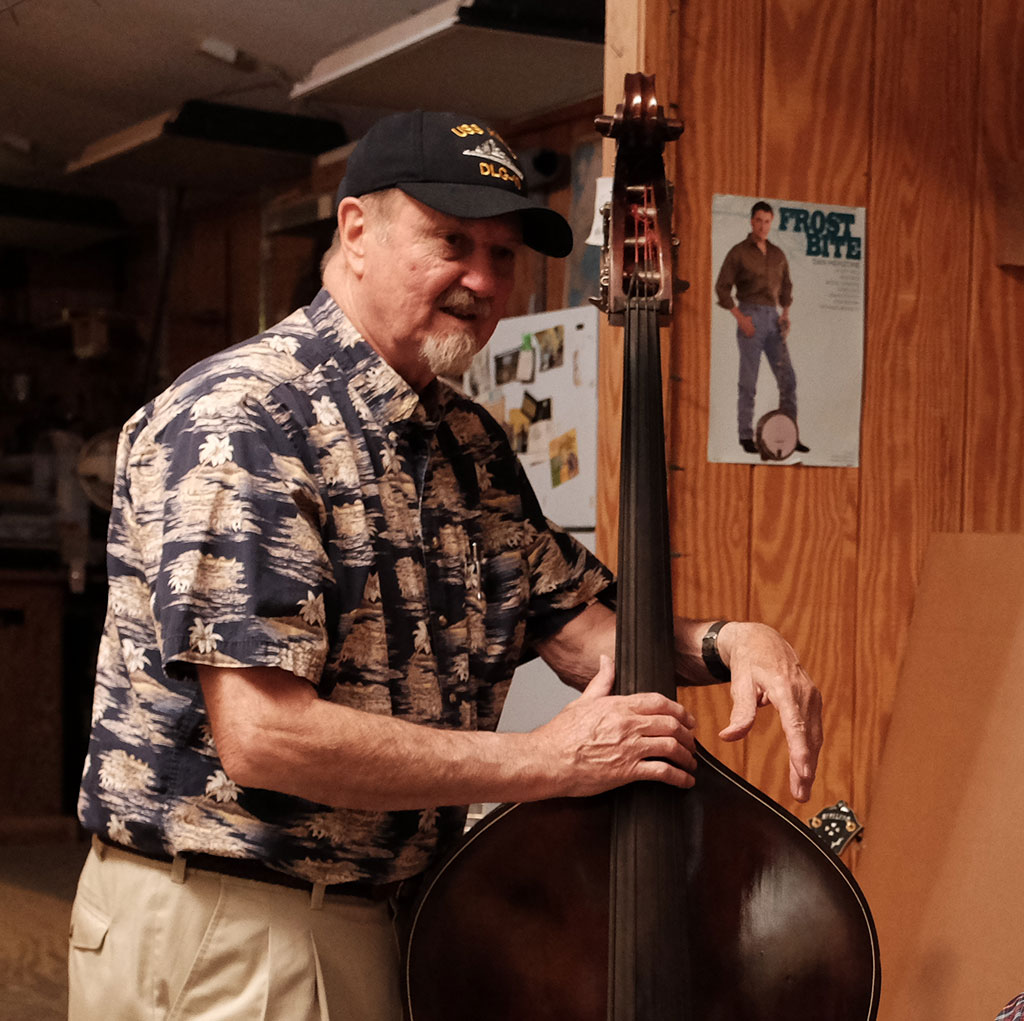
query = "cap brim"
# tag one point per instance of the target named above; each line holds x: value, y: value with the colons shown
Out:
x: 544, y: 230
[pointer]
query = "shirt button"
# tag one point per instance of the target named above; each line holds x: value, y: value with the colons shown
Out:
x: 442, y: 620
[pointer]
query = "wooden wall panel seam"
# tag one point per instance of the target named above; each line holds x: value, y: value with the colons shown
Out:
x: 973, y: 230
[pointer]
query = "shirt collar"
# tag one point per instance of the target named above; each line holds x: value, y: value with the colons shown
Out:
x: 388, y: 396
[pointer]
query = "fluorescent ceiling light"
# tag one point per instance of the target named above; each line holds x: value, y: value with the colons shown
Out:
x: 434, y: 61
x: 219, y: 50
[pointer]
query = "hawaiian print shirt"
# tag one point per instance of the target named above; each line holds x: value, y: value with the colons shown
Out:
x: 292, y: 503
x: 1013, y: 1011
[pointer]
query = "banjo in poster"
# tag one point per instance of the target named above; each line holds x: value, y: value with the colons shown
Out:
x: 787, y: 331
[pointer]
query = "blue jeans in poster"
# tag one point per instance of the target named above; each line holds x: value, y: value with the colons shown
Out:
x: 768, y: 339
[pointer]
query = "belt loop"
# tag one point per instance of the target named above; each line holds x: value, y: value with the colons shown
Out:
x: 316, y: 897
x: 98, y: 847
x: 178, y: 864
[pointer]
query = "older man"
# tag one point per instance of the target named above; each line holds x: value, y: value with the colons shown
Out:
x: 325, y: 564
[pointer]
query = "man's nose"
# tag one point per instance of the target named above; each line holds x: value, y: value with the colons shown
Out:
x: 482, y: 274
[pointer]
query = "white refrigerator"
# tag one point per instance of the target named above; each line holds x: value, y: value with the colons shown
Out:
x: 538, y: 376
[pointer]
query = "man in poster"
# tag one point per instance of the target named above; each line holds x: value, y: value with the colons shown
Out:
x: 759, y: 272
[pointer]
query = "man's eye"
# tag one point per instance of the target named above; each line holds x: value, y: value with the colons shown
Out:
x: 504, y: 257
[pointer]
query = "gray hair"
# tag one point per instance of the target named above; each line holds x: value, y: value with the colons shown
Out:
x: 379, y: 206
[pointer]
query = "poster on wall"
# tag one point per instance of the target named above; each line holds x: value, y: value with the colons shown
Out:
x: 787, y: 331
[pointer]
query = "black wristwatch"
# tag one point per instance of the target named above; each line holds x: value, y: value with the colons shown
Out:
x: 709, y: 653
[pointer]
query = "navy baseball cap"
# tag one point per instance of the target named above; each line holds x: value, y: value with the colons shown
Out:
x: 456, y: 165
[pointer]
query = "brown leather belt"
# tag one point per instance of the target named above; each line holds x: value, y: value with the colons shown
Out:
x: 244, y: 868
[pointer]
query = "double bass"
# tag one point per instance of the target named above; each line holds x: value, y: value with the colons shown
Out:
x: 646, y: 903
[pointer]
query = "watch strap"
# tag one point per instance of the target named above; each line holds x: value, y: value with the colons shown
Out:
x: 709, y: 653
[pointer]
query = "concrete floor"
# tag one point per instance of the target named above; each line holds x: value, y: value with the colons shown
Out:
x: 37, y: 886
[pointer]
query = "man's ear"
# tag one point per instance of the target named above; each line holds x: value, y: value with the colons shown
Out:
x: 352, y: 233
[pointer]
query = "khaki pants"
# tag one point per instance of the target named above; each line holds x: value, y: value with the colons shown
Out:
x: 155, y: 942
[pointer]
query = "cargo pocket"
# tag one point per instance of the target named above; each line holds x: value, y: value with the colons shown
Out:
x: 88, y: 926
x: 91, y: 982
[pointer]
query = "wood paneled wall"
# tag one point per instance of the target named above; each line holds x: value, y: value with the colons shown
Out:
x: 909, y: 108
x: 213, y: 293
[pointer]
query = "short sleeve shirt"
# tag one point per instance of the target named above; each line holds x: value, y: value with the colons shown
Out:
x: 293, y: 503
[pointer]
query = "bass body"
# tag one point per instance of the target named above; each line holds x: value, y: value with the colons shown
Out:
x: 514, y: 925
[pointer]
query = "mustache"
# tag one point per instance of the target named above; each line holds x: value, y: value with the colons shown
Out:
x: 465, y: 302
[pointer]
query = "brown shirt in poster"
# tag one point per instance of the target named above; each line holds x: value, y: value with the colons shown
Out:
x: 760, y: 278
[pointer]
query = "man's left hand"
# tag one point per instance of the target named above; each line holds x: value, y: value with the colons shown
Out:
x: 766, y: 671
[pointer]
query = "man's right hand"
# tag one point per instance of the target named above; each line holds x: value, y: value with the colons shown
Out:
x: 747, y: 327
x: 600, y: 741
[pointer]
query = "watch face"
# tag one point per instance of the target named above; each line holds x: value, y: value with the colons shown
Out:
x: 776, y: 436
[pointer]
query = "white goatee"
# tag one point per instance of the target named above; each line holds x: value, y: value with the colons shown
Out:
x: 450, y: 352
